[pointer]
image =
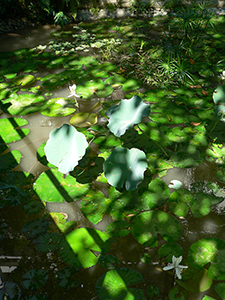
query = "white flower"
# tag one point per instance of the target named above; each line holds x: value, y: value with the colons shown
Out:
x: 175, y: 184
x: 222, y: 76
x: 176, y: 265
x: 73, y: 91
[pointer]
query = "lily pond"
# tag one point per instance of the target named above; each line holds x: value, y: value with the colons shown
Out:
x: 112, y: 166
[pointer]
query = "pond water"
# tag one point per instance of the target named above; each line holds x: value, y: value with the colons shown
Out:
x: 126, y: 248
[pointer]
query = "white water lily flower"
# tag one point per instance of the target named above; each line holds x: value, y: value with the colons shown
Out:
x: 176, y: 266
x: 73, y: 91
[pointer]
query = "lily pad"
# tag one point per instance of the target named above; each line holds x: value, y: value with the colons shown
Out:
x: 24, y: 79
x: 170, y: 249
x: 126, y: 114
x: 209, y: 250
x: 10, y: 160
x: 10, y: 131
x: 61, y: 222
x: 34, y: 228
x: 34, y: 279
x: 57, y: 107
x: 219, y: 95
x: 48, y: 242
x: 199, y: 282
x: 11, y: 289
x: 148, y: 225
x: 84, y: 119
x: 51, y: 186
x: 91, y: 87
x: 220, y: 289
x: 24, y: 104
x: 125, y: 167
x: 65, y: 147
x: 84, y: 243
x: 114, y: 285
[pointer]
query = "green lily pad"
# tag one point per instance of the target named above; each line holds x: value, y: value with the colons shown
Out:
x: 57, y: 107
x: 108, y: 261
x: 95, y: 205
x: 220, y: 289
x: 10, y: 131
x: 131, y: 84
x: 24, y: 104
x: 84, y: 242
x: 24, y: 79
x: 148, y: 225
x: 48, y: 242
x: 116, y: 80
x: 209, y: 250
x: 126, y: 114
x: 170, y: 249
x: 51, y: 186
x: 34, y: 228
x: 84, y: 119
x: 153, y: 291
x: 118, y: 228
x: 34, y: 279
x: 125, y: 167
x: 10, y: 160
x: 182, y: 200
x: 176, y: 292
x: 91, y: 87
x: 62, y: 223
x: 114, y: 285
x: 11, y: 289
x: 199, y: 282
x: 66, y: 278
x: 65, y: 147
x: 33, y: 207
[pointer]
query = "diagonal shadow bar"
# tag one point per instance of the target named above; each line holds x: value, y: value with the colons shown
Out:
x: 59, y: 187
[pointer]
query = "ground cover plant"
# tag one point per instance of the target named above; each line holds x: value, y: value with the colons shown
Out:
x: 135, y: 112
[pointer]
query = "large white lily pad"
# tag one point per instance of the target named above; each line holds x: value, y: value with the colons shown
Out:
x: 65, y: 147
x: 126, y: 114
x: 125, y: 167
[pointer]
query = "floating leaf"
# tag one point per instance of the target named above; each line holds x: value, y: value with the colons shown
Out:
x: 209, y: 250
x: 118, y: 228
x: 153, y: 291
x: 198, y: 283
x: 65, y: 278
x: 33, y: 207
x: 148, y: 225
x: 114, y: 285
x: 126, y: 114
x: 91, y: 87
x: 24, y: 104
x: 220, y: 289
x: 108, y: 261
x: 34, y: 279
x: 219, y: 95
x: 131, y: 84
x: 34, y: 228
x: 220, y: 112
x: 170, y: 249
x: 62, y: 223
x: 11, y: 289
x: 125, y: 167
x: 84, y: 119
x: 176, y: 293
x: 24, y: 79
x: 10, y: 131
x: 51, y: 186
x: 65, y: 147
x: 83, y: 242
x: 57, y: 107
x: 48, y: 242
x: 10, y: 160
